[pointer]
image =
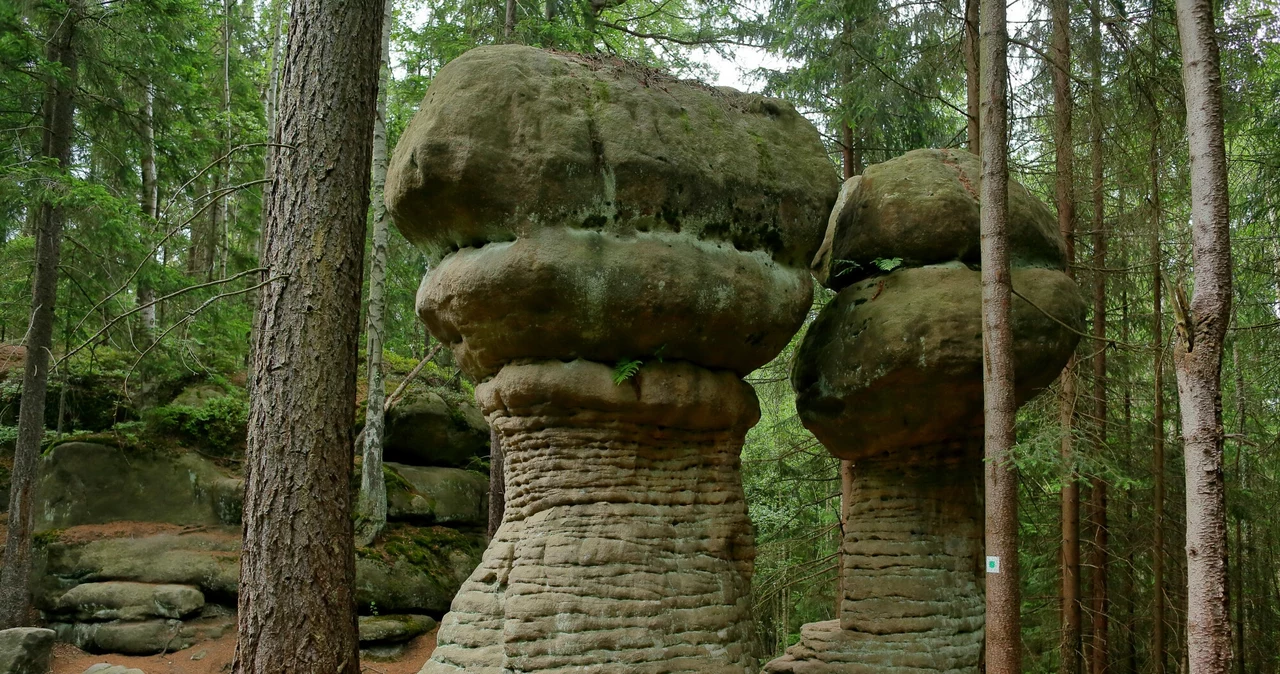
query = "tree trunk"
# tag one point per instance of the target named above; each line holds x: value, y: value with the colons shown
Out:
x: 59, y: 128
x: 150, y: 201
x: 297, y: 571
x: 1003, y: 622
x: 1243, y: 483
x: 371, y: 509
x: 846, y: 501
x: 1198, y: 355
x: 509, y: 25
x: 1064, y: 150
x: 1158, y: 640
x: 1100, y: 648
x: 971, y: 74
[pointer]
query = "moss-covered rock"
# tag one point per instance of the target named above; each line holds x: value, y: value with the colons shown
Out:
x: 426, y: 429
x: 415, y: 569
x: 435, y: 495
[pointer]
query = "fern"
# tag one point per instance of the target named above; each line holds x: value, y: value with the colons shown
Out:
x: 625, y: 369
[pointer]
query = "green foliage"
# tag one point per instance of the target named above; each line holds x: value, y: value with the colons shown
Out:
x: 220, y: 425
x: 625, y: 369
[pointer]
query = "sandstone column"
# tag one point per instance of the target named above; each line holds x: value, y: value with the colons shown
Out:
x: 889, y: 376
x: 616, y: 250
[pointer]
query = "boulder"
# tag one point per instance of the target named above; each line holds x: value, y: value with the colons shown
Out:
x: 120, y: 600
x: 141, y: 638
x: 416, y: 569
x: 425, y: 429
x: 87, y: 483
x: 208, y: 560
x: 393, y: 629
x: 895, y: 361
x: 26, y: 650
x: 922, y: 209
x: 434, y: 495
x: 108, y: 668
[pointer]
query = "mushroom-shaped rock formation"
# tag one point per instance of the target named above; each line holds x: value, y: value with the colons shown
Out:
x: 889, y: 376
x: 590, y: 213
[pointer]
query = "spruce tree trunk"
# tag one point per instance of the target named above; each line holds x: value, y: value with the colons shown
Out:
x: 1100, y: 648
x: 149, y: 201
x: 972, y: 57
x: 1158, y: 640
x: 1198, y: 354
x: 1064, y: 193
x: 59, y: 129
x: 297, y: 570
x: 372, y: 506
x: 1003, y: 620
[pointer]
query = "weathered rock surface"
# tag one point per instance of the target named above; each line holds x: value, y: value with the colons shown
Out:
x: 141, y: 638
x: 117, y: 600
x: 432, y: 495
x: 922, y: 208
x: 26, y: 650
x: 510, y: 140
x: 426, y: 430
x: 108, y: 668
x: 590, y: 211
x: 625, y: 545
x: 208, y: 560
x: 86, y: 483
x: 895, y: 361
x: 393, y: 629
x: 416, y: 569
x: 889, y: 376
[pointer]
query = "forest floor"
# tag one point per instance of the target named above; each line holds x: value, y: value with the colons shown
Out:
x: 214, y: 657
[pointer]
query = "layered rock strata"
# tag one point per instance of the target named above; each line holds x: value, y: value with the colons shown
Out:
x: 616, y: 250
x: 889, y: 376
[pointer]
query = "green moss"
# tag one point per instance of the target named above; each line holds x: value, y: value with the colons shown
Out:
x: 427, y: 549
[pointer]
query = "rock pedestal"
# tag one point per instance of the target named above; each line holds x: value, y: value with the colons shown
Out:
x: 617, y: 250
x: 889, y: 377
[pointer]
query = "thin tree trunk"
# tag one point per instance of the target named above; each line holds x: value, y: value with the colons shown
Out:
x: 59, y: 128
x: 1198, y: 356
x: 846, y: 501
x: 371, y: 509
x: 509, y: 25
x: 150, y: 200
x: 1158, y: 641
x: 297, y: 570
x: 1003, y: 621
x: 972, y: 76
x: 1069, y: 646
x: 1100, y: 648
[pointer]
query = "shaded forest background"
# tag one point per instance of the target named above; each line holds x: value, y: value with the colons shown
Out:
x: 188, y: 87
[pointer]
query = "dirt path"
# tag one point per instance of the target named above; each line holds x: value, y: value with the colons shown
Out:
x: 214, y: 657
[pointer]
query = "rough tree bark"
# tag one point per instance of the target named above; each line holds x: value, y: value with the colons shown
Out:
x: 297, y: 571
x: 1100, y: 647
x: 1064, y: 196
x: 150, y: 198
x: 1198, y: 354
x: 1003, y: 622
x: 972, y: 76
x: 59, y: 128
x: 371, y: 508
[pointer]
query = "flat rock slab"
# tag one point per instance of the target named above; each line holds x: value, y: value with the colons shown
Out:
x: 393, y: 629
x: 122, y: 600
x: 26, y: 650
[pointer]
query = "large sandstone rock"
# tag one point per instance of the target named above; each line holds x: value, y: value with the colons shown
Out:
x: 590, y: 211
x: 424, y: 429
x: 416, y: 569
x: 889, y: 376
x: 393, y: 629
x: 26, y: 650
x: 208, y: 560
x: 431, y: 495
x: 118, y: 600
x: 142, y: 638
x: 86, y: 483
x: 921, y: 209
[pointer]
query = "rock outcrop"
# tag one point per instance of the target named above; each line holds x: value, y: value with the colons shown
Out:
x: 617, y: 249
x: 889, y: 376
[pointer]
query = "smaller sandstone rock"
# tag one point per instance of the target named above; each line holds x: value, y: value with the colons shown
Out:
x: 128, y: 638
x: 108, y: 668
x: 426, y: 430
x: 435, y: 495
x: 26, y: 650
x: 393, y: 629
x: 417, y: 569
x: 209, y: 560
x: 129, y: 601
